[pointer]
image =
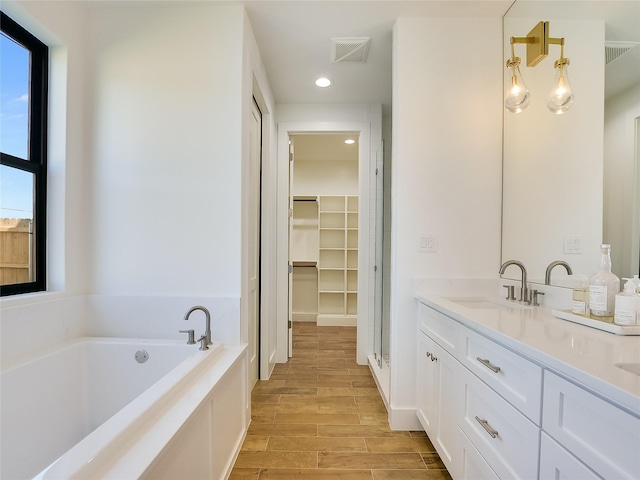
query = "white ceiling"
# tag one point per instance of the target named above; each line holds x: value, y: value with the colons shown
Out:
x: 324, y: 147
x: 294, y: 38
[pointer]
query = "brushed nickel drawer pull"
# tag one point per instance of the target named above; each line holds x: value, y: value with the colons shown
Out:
x: 487, y: 427
x: 488, y: 364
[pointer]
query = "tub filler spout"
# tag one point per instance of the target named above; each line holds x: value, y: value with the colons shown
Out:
x: 207, y: 332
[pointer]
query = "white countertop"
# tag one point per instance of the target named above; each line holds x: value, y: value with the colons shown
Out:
x: 581, y: 353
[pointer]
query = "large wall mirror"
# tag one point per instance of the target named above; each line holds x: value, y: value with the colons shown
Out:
x: 572, y: 181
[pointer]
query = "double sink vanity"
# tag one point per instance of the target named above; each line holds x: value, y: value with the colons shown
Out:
x: 507, y: 390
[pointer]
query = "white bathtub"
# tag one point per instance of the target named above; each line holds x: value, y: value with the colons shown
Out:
x: 89, y: 409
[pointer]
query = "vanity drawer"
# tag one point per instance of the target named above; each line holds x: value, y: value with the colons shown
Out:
x: 472, y: 465
x: 506, y: 439
x: 442, y: 329
x: 514, y: 377
x: 556, y: 462
x: 603, y: 436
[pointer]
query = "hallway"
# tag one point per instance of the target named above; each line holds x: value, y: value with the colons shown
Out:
x: 320, y: 416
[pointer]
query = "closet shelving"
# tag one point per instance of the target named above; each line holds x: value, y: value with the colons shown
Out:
x: 304, y: 256
x: 337, y: 259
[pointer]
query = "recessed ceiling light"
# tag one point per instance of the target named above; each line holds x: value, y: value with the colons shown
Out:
x: 323, y: 82
x: 349, y: 141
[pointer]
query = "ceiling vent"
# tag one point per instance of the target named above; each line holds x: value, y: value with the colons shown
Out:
x: 349, y: 49
x: 613, y: 50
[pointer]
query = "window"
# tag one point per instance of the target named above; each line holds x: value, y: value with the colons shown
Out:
x: 23, y: 166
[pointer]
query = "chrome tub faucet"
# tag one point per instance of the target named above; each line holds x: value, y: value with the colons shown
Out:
x: 207, y: 333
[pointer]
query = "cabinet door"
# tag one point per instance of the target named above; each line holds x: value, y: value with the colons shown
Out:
x: 556, y: 462
x: 448, y: 402
x: 439, y: 407
x: 427, y: 384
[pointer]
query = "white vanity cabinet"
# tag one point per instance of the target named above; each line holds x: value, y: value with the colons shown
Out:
x: 475, y: 430
x: 493, y: 411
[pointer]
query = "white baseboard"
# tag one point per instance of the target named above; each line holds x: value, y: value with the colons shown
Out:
x: 304, y: 317
x: 381, y: 376
x: 404, y: 419
x: 337, y: 320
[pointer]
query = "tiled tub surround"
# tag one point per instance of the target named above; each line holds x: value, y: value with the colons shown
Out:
x: 558, y: 403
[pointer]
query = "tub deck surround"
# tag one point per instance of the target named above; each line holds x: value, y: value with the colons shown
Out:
x: 196, y: 395
x: 55, y: 397
x: 578, y: 352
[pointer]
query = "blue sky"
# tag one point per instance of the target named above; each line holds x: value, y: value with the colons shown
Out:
x: 16, y: 187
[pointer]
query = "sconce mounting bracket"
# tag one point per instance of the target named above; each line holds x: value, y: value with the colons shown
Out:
x: 538, y: 41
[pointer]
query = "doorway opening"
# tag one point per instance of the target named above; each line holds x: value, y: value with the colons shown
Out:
x: 323, y: 229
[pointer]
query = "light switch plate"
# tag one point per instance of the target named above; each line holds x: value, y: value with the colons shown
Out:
x: 572, y: 244
x: 427, y: 243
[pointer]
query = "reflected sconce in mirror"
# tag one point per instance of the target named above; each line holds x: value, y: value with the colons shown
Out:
x: 518, y: 96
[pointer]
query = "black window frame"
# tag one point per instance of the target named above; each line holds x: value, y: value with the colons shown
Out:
x: 37, y: 161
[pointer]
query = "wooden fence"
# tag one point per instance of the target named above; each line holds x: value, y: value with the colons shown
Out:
x: 15, y: 250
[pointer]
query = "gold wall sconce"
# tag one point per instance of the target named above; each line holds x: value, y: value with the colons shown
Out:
x: 518, y: 96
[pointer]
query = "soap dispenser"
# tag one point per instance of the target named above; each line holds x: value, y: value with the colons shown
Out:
x: 636, y: 281
x: 580, y: 304
x: 603, y: 287
x: 627, y: 304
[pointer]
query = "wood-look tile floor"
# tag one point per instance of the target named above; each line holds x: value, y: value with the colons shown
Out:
x: 320, y: 416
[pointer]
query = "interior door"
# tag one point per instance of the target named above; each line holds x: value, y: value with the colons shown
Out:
x: 254, y: 243
x: 290, y: 309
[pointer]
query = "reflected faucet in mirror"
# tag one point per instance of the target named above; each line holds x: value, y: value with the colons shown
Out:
x: 551, y: 266
x: 524, y: 294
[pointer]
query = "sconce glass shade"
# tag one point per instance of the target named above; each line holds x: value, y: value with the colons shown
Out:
x: 561, y: 97
x: 517, y: 97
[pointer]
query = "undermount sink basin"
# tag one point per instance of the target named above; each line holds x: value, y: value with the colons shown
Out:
x: 486, y: 303
x: 630, y: 367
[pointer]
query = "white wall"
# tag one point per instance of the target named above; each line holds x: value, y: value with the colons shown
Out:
x: 326, y: 177
x: 447, y: 119
x: 167, y: 152
x: 146, y: 173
